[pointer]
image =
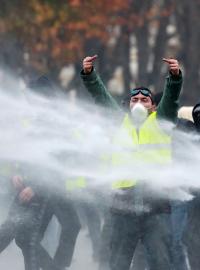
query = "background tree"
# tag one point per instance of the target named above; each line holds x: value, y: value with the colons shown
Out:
x: 44, y: 36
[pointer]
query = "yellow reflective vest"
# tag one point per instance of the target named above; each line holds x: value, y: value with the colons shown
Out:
x: 149, y: 144
x: 74, y: 184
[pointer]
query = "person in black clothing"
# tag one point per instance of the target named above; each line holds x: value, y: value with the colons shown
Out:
x: 23, y: 218
x: 32, y: 210
x: 192, y: 230
x: 57, y: 204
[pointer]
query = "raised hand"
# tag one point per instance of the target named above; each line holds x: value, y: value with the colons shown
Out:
x: 174, y: 67
x: 88, y: 63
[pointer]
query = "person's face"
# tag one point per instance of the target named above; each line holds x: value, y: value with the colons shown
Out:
x: 144, y: 100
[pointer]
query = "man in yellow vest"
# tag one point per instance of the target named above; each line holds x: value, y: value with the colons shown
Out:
x: 135, y: 216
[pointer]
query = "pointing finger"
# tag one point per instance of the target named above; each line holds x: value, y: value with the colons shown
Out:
x: 94, y: 57
x: 170, y: 60
x: 166, y: 60
x: 90, y: 58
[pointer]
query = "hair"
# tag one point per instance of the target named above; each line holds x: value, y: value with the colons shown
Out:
x: 157, y: 98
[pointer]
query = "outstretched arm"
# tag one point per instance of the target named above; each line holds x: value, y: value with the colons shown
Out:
x: 95, y: 86
x: 169, y: 103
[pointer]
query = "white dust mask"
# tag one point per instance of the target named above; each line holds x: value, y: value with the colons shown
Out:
x: 139, y: 114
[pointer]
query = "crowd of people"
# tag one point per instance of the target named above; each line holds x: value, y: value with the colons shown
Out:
x: 135, y: 222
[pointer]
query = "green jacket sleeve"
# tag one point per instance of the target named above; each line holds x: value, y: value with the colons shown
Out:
x: 168, y: 106
x: 97, y: 89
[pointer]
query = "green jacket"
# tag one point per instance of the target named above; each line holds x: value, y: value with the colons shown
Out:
x: 167, y: 107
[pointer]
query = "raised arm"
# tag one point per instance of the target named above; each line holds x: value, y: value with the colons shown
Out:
x: 169, y: 103
x: 95, y: 86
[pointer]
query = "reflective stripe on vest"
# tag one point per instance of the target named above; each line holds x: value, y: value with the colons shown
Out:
x: 151, y: 145
x: 126, y: 183
x: 9, y: 168
x: 74, y: 184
